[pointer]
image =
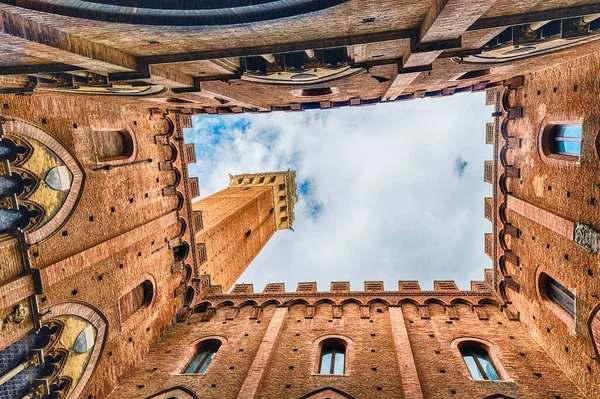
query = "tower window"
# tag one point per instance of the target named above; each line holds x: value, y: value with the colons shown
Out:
x: 316, y: 92
x: 566, y: 139
x: 560, y: 297
x: 478, y: 362
x: 333, y: 357
x: 205, y: 354
x: 113, y: 144
x: 138, y: 298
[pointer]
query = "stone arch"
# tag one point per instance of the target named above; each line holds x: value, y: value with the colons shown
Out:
x: 502, y: 156
x: 461, y: 301
x: 297, y: 301
x: 409, y: 301
x: 489, y: 301
x: 169, y: 127
x: 27, y: 218
x: 181, y: 252
x: 180, y: 202
x: 437, y: 301
x: 177, y: 177
x: 324, y: 301
x: 94, y: 317
x: 502, y: 184
x: 249, y: 302
x: 21, y: 182
x: 224, y: 304
x: 378, y: 300
x: 188, y: 272
x: 203, y: 306
x: 173, y: 157
x: 502, y: 265
x: 504, y: 129
x: 594, y: 329
x: 175, y: 392
x: 63, y: 210
x: 502, y: 239
x: 189, y: 296
x: 502, y: 213
x: 505, y: 100
x: 270, y: 302
x: 351, y: 300
x: 15, y: 150
x: 502, y: 291
x: 327, y: 392
x: 182, y: 226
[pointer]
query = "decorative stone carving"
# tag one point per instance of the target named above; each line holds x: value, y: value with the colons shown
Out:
x: 586, y: 237
x: 18, y: 316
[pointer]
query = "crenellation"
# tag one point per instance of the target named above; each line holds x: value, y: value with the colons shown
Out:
x: 120, y: 267
x: 409, y: 286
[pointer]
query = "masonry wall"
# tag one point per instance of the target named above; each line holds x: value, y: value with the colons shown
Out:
x: 559, y: 195
x: 35, y: 40
x: 238, y: 223
x: 118, y: 235
x: 373, y: 365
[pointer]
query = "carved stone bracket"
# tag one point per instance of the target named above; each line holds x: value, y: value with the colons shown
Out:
x: 586, y: 237
x: 18, y: 316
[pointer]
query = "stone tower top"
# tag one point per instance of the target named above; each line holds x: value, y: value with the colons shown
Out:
x: 284, y: 192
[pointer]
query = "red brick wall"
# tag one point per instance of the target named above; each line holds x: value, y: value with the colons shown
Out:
x: 228, y: 216
x: 372, y: 361
x: 556, y: 196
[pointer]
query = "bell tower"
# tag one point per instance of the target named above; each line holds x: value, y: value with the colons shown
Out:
x: 238, y: 221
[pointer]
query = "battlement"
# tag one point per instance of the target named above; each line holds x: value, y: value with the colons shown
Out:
x: 370, y: 287
x: 284, y: 192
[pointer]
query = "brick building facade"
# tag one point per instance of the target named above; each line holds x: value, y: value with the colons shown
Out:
x: 113, y: 283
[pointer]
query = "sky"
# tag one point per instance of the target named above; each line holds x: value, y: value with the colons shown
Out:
x: 388, y: 192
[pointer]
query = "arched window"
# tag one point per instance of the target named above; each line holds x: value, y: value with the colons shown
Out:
x: 204, y: 355
x: 333, y: 357
x: 564, y: 139
x: 557, y: 294
x: 138, y: 298
x: 477, y: 359
x: 113, y: 144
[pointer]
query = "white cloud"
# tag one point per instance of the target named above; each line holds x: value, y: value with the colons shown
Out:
x: 394, y: 204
